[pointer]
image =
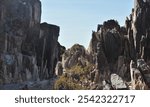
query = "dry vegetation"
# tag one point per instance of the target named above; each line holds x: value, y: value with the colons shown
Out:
x: 76, y: 78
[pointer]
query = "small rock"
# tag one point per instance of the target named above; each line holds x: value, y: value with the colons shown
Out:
x: 117, y: 82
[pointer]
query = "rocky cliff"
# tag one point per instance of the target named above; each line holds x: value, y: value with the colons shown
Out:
x: 20, y: 27
x: 29, y: 50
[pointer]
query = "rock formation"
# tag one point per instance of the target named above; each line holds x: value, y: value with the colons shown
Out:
x: 19, y: 30
x: 119, y: 55
x: 138, y: 32
x: 76, y: 55
x: 120, y: 45
x: 109, y: 37
x: 140, y: 26
x: 32, y: 58
x: 59, y: 69
x: 47, y: 49
x: 29, y: 51
x: 109, y: 43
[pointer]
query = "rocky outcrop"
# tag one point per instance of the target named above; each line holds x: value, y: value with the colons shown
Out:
x: 107, y: 45
x: 139, y: 75
x: 19, y: 30
x: 110, y: 38
x: 140, y: 25
x: 76, y: 55
x: 47, y: 49
x: 139, y: 43
x: 119, y: 45
x: 29, y: 51
x: 119, y: 55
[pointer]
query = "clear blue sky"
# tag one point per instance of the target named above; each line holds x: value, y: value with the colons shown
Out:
x: 77, y: 18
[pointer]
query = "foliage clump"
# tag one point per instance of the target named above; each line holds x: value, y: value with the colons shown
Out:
x: 74, y: 78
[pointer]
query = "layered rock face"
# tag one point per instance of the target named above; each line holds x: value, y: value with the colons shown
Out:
x: 115, y: 47
x: 29, y: 51
x: 19, y: 30
x: 140, y: 25
x: 47, y: 49
x: 106, y: 43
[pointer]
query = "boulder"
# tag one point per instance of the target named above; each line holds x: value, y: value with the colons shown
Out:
x: 118, y: 83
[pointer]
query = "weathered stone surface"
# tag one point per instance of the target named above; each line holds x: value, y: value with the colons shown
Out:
x: 107, y: 86
x: 117, y: 82
x: 29, y: 51
x: 19, y: 30
x: 93, y: 43
x: 47, y: 49
x: 145, y: 71
x: 19, y: 24
x: 106, y: 47
x: 138, y: 79
x: 61, y: 51
x: 122, y: 67
x: 119, y: 45
x: 141, y: 64
x: 59, y: 69
x: 110, y: 39
x: 141, y: 25
x: 76, y: 55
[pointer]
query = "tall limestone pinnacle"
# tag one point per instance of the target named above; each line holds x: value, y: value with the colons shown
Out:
x: 20, y: 28
x: 29, y: 50
x: 141, y: 24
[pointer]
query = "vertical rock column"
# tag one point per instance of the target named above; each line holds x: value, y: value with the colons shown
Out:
x: 141, y: 27
x: 19, y: 30
x: 47, y: 49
